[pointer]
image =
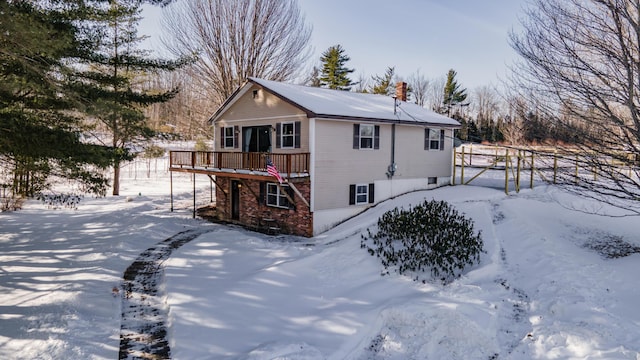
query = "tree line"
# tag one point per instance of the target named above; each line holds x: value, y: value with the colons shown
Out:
x: 79, y: 95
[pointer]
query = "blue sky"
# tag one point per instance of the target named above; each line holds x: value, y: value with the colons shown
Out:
x: 433, y: 36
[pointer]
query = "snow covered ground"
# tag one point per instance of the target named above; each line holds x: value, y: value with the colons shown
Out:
x: 548, y: 287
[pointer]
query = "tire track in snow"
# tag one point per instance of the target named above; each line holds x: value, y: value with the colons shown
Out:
x: 515, y: 307
x: 143, y: 331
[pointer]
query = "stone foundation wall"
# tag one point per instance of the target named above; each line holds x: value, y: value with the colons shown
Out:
x: 298, y: 221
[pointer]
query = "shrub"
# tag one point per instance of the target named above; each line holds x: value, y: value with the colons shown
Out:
x: 57, y: 201
x: 432, y: 237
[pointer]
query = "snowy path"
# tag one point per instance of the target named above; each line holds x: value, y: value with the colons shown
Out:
x: 143, y: 332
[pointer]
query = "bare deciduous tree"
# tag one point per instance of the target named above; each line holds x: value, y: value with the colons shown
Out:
x: 420, y: 87
x: 436, y: 94
x: 581, y: 61
x: 237, y: 39
x: 485, y: 103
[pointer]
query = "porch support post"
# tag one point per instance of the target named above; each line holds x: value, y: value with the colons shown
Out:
x: 194, y: 195
x: 218, y: 185
x: 295, y: 189
x: 285, y: 193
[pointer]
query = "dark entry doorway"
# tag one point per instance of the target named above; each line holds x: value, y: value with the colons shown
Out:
x: 235, y: 200
x: 256, y: 138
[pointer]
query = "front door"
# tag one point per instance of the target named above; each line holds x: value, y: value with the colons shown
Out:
x: 235, y: 200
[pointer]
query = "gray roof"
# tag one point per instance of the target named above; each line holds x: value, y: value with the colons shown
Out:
x: 338, y: 104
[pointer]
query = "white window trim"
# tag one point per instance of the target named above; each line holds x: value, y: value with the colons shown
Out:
x: 373, y: 137
x: 278, y: 194
x: 366, y: 193
x: 293, y: 135
x: 437, y: 131
x: 233, y: 139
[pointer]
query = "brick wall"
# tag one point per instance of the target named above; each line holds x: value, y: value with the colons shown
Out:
x: 295, y: 222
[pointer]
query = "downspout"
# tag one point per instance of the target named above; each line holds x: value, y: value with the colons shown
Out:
x: 391, y: 170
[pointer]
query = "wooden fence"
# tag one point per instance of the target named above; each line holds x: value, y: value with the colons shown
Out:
x: 548, y: 163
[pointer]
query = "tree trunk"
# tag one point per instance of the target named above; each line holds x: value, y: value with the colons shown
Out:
x: 116, y: 178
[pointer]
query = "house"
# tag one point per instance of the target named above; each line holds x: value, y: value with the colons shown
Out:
x: 337, y: 152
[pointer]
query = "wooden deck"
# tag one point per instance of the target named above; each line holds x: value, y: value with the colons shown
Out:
x: 217, y: 162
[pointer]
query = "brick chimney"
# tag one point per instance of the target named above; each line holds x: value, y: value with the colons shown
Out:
x: 401, y: 91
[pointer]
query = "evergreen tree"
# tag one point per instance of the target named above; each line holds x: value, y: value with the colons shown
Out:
x: 334, y: 71
x: 453, y: 94
x: 111, y: 77
x: 384, y: 84
x: 40, y: 136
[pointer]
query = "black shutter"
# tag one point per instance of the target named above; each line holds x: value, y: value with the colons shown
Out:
x: 296, y: 126
x: 352, y: 194
x: 222, y: 142
x: 441, y: 140
x: 278, y: 133
x: 356, y: 136
x: 376, y: 137
x: 372, y: 189
x: 236, y: 131
x: 263, y: 193
x: 426, y: 138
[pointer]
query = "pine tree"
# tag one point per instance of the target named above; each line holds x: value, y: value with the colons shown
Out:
x: 112, y: 77
x: 384, y: 84
x: 453, y: 94
x: 41, y: 137
x: 334, y: 72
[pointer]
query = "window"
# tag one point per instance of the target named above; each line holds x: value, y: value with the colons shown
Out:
x: 361, y: 194
x: 277, y: 198
x: 229, y: 137
x: 434, y: 139
x: 432, y: 180
x: 366, y: 136
x: 288, y: 135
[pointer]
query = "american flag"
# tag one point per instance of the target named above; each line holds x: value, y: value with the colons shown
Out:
x: 273, y: 171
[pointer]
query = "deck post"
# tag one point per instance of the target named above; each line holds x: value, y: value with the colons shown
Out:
x: 171, y: 186
x: 194, y: 195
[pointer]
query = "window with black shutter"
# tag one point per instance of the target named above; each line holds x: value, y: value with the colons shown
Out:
x: 366, y: 136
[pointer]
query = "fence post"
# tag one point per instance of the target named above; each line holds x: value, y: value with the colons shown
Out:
x: 533, y: 168
x: 462, y: 168
x: 453, y: 179
x: 506, y: 172
x: 518, y: 171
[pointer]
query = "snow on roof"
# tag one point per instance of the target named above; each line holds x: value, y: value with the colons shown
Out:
x: 327, y: 103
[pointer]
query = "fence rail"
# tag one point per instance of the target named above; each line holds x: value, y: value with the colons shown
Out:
x: 552, y: 165
x: 287, y: 164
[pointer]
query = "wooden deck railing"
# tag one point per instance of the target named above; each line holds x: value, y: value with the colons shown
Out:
x: 287, y: 164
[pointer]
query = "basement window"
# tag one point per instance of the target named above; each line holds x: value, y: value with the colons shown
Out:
x: 276, y: 197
